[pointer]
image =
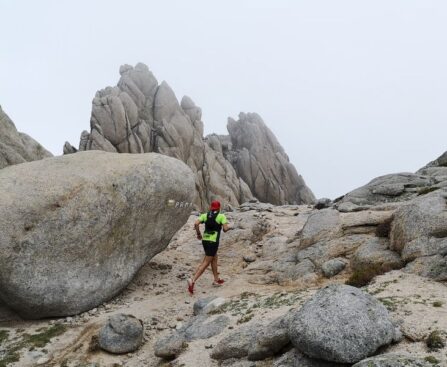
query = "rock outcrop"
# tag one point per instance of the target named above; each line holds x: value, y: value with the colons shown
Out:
x: 139, y: 115
x: 262, y: 163
x: 419, y: 234
x: 75, y: 229
x: 397, y: 187
x: 16, y: 147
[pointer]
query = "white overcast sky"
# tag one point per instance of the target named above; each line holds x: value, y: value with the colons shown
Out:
x: 352, y: 89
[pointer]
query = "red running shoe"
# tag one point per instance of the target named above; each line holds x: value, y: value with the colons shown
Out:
x: 218, y: 283
x: 190, y: 286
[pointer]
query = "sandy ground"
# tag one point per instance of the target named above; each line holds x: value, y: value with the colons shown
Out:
x: 158, y: 296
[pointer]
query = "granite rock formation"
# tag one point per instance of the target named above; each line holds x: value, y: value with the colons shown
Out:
x: 74, y: 230
x: 140, y: 115
x: 17, y: 147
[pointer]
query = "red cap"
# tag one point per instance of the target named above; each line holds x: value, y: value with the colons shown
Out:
x: 215, y: 205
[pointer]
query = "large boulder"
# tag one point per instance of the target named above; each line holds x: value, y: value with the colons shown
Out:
x: 341, y: 324
x: 16, y: 147
x: 262, y: 163
x: 75, y: 229
x: 419, y: 233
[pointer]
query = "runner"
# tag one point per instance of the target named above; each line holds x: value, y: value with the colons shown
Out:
x: 214, y: 221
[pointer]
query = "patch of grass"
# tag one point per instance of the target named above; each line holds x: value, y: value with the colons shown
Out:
x: 389, y: 303
x: 9, y: 358
x: 432, y: 360
x: 43, y: 337
x: 4, y: 335
x: 437, y: 304
x: 435, y: 341
x: 11, y: 353
x: 427, y: 190
x: 362, y: 277
x: 245, y: 318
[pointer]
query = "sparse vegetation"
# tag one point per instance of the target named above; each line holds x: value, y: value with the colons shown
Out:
x: 250, y: 301
x: 437, y: 304
x: 4, y: 334
x: 427, y: 190
x: 435, y: 341
x: 245, y: 318
x: 432, y: 360
x: 43, y: 336
x: 389, y: 303
x: 362, y: 277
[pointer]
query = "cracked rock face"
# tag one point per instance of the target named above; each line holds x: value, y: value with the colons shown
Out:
x: 139, y: 115
x: 17, y: 147
x: 261, y: 161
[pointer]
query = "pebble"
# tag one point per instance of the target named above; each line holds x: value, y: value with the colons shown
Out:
x: 42, y: 360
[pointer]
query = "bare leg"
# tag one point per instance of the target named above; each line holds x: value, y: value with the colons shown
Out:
x: 198, y: 266
x: 214, y: 268
x: 205, y: 263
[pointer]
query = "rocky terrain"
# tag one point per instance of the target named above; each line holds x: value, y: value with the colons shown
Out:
x: 17, y: 147
x: 304, y: 287
x: 96, y: 247
x: 139, y: 115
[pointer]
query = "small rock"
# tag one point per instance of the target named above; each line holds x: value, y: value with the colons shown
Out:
x: 170, y: 346
x: 249, y: 258
x: 42, y: 361
x: 333, y: 267
x: 323, y: 203
x: 121, y: 334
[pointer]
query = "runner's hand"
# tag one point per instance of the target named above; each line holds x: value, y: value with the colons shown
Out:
x: 199, y: 236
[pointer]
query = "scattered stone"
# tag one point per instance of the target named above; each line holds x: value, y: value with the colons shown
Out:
x: 249, y: 258
x: 208, y: 305
x: 121, y: 334
x: 204, y: 327
x: 333, y: 267
x: 170, y: 346
x: 323, y: 203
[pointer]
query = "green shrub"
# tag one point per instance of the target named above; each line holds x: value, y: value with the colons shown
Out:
x: 435, y: 341
x: 361, y: 277
x: 427, y: 190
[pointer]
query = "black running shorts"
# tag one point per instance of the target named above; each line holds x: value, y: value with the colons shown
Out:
x: 210, y: 248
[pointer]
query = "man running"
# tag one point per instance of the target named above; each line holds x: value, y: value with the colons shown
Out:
x: 214, y: 223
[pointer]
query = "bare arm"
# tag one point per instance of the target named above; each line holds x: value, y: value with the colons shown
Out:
x: 226, y: 228
x: 197, y: 228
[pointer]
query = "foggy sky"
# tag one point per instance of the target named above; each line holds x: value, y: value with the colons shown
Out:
x: 352, y: 89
